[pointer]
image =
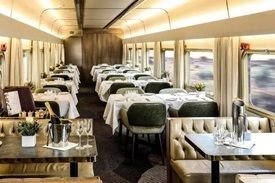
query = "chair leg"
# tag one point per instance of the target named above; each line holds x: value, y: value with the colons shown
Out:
x: 126, y: 142
x: 161, y: 149
x: 133, y: 147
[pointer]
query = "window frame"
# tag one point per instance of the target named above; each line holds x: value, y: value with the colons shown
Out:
x: 246, y: 82
x: 147, y: 58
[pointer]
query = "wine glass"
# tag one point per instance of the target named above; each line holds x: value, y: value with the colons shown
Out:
x: 88, y: 126
x: 79, y: 132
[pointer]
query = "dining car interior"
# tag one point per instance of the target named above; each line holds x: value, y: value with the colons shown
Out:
x: 137, y: 91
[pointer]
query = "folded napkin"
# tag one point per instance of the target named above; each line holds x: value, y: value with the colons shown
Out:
x: 69, y: 146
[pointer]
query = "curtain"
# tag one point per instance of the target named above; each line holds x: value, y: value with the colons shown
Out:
x: 16, y: 63
x: 124, y: 54
x: 179, y: 64
x: 144, y: 61
x: 36, y: 64
x: 6, y: 64
x: 62, y: 54
x: 46, y: 58
x: 226, y: 73
x: 52, y: 55
x: 134, y: 60
x: 157, y: 59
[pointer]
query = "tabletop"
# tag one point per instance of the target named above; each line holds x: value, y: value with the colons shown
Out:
x: 12, y: 151
x: 204, y: 143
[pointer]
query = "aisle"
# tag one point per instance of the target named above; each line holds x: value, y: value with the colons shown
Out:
x: 111, y: 164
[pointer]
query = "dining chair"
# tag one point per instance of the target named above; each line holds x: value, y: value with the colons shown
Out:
x: 129, y: 70
x: 106, y: 71
x: 146, y: 78
x: 43, y: 90
x: 64, y: 76
x: 113, y: 75
x: 63, y: 88
x: 117, y: 85
x: 136, y: 76
x: 58, y: 71
x: 130, y: 89
x: 63, y: 67
x: 172, y: 90
x: 144, y: 118
x: 117, y: 78
x: 54, y: 105
x: 155, y: 87
x: 195, y: 109
x: 52, y: 79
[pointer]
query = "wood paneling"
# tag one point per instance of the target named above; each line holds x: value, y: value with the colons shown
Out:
x: 95, y: 47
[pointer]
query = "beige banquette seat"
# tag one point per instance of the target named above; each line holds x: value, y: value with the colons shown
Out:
x: 8, y: 127
x: 52, y: 180
x: 188, y: 166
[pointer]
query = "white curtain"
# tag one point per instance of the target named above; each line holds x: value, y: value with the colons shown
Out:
x: 226, y: 76
x: 52, y: 55
x: 144, y: 56
x: 62, y: 53
x: 37, y: 64
x: 179, y: 64
x: 124, y: 54
x: 16, y: 63
x: 46, y: 57
x: 6, y: 65
x: 157, y: 59
x: 134, y: 60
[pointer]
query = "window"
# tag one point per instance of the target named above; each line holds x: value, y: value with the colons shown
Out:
x: 139, y: 58
x: 201, y: 69
x: 130, y: 58
x: 26, y: 65
x: 168, y: 63
x: 262, y: 80
x: 150, y: 59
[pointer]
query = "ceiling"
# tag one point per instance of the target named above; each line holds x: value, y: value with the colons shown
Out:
x: 134, y: 17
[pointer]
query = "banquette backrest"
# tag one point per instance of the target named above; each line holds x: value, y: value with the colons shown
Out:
x: 8, y: 127
x: 179, y: 149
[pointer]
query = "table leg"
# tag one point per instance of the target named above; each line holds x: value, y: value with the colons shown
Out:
x: 74, y: 169
x: 215, y: 171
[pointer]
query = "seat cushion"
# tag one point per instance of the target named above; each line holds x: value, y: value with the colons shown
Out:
x: 252, y: 178
x: 45, y: 169
x: 193, y: 171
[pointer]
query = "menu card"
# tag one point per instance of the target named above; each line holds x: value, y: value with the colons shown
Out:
x: 13, y: 102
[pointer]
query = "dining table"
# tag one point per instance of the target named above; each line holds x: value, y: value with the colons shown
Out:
x: 67, y: 105
x: 117, y: 101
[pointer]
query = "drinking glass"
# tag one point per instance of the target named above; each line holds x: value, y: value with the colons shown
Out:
x: 88, y: 130
x: 219, y: 134
x: 79, y: 132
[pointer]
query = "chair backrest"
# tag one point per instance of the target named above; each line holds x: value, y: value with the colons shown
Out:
x: 136, y: 76
x: 119, y: 66
x: 130, y: 70
x: 58, y: 71
x: 54, y: 105
x: 65, y: 77
x: 115, y: 86
x: 106, y: 71
x: 63, y: 88
x: 172, y: 90
x: 155, y: 87
x: 51, y: 79
x: 25, y: 97
x: 43, y: 90
x: 130, y: 89
x: 113, y: 75
x: 63, y: 67
x: 147, y: 114
x: 146, y: 78
x: 199, y: 109
x: 117, y: 78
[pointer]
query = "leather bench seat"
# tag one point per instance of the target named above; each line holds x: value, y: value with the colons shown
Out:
x: 252, y: 178
x: 8, y: 127
x: 194, y: 171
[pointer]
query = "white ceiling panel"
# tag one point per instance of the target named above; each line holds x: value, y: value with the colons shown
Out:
x: 107, y: 3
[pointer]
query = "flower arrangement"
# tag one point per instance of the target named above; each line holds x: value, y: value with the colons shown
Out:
x: 30, y: 84
x: 165, y: 74
x: 28, y: 128
x: 199, y: 86
x: 51, y: 68
x: 147, y: 69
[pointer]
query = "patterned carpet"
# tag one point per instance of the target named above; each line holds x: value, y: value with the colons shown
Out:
x: 111, y: 165
x: 157, y: 174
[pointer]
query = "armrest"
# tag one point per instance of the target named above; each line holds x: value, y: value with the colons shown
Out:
x: 173, y: 112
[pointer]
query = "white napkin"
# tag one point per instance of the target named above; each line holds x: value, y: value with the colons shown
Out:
x: 69, y: 146
x: 244, y: 144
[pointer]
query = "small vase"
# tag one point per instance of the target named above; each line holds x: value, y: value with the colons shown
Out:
x: 200, y: 93
x: 28, y: 141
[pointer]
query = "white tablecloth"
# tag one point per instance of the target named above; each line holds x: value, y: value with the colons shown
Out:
x: 117, y: 101
x: 65, y: 101
x: 73, y: 89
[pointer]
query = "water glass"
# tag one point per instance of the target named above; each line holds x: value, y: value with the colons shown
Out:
x: 88, y: 123
x: 79, y: 132
x: 219, y: 134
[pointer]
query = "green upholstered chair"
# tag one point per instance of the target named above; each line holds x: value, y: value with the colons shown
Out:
x: 155, y: 87
x: 172, y: 90
x: 106, y: 71
x: 43, y: 90
x: 127, y: 70
x: 117, y: 78
x: 117, y: 85
x: 64, y: 76
x: 63, y: 88
x: 119, y: 66
x: 136, y: 76
x: 54, y: 105
x: 51, y: 79
x: 146, y: 78
x: 63, y: 67
x: 144, y: 118
x: 195, y: 109
x: 132, y: 72
x: 113, y: 75
x: 130, y: 89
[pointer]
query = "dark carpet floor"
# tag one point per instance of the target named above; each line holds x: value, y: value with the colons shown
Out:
x: 111, y: 165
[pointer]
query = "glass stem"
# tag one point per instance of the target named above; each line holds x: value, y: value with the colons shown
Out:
x: 79, y: 142
x: 87, y: 139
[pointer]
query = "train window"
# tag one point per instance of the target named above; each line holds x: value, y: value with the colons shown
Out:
x: 262, y: 80
x: 168, y: 62
x: 139, y: 58
x: 26, y: 65
x: 129, y: 58
x: 150, y: 59
x: 201, y: 69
